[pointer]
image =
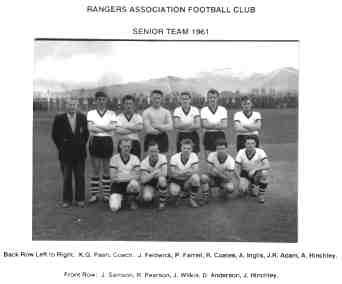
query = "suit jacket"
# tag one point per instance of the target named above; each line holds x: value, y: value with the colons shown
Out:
x: 71, y: 146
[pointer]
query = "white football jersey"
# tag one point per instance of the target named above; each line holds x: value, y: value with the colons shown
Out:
x: 241, y: 117
x: 124, y: 170
x: 214, y: 117
x: 186, y: 117
x: 108, y: 117
x: 124, y: 121
x: 160, y: 165
x: 226, y: 165
x: 250, y: 162
x: 176, y: 161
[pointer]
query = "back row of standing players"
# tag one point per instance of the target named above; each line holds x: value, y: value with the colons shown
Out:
x: 123, y: 177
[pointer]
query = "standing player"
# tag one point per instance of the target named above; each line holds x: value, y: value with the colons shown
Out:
x: 221, y: 169
x: 187, y: 121
x: 125, y: 172
x: 214, y: 121
x: 101, y: 124
x: 157, y: 121
x: 246, y: 123
x: 154, y: 175
x: 129, y: 124
x: 184, y: 172
x: 252, y: 166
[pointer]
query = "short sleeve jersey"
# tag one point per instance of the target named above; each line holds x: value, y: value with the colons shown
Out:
x: 124, y: 121
x: 241, y: 117
x: 176, y: 161
x: 214, y: 117
x: 108, y: 117
x: 124, y: 170
x: 186, y: 117
x: 226, y: 165
x: 160, y: 165
x: 249, y: 162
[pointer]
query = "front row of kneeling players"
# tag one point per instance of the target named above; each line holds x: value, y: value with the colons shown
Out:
x: 148, y: 180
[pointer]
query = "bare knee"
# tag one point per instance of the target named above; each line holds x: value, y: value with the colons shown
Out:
x: 204, y: 179
x: 243, y: 184
x: 133, y: 186
x: 195, y: 180
x: 174, y: 189
x: 147, y: 193
x: 162, y: 182
x: 115, y: 202
x: 229, y: 187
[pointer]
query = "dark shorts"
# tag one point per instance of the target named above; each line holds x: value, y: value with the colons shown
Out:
x: 215, y: 181
x: 241, y: 139
x: 162, y: 139
x: 189, y: 135
x: 210, y: 138
x: 153, y: 182
x: 254, y: 178
x: 119, y: 187
x: 136, y: 148
x: 101, y: 147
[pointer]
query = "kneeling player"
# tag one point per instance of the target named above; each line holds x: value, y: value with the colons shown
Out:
x: 185, y: 173
x: 252, y: 166
x: 153, y: 175
x: 125, y: 170
x: 221, y: 169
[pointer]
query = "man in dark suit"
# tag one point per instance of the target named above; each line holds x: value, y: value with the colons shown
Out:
x: 70, y: 134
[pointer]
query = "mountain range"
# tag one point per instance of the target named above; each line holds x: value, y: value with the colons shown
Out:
x: 283, y: 79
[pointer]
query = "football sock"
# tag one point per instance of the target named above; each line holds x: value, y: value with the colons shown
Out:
x: 106, y: 186
x: 262, y: 187
x: 94, y: 186
x: 162, y: 194
x: 205, y: 192
x: 194, y: 192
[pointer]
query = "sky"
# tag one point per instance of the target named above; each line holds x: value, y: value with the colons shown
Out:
x: 96, y: 63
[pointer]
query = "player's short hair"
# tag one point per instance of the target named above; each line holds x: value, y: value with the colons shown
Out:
x: 100, y: 94
x: 125, y: 139
x: 187, y: 141
x: 159, y: 92
x: 221, y: 142
x: 245, y: 99
x: 152, y: 143
x: 128, y: 98
x: 249, y: 137
x: 186, y: 94
x: 213, y: 91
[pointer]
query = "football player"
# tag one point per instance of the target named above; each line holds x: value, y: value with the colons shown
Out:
x: 154, y: 175
x: 184, y: 171
x: 101, y: 125
x: 129, y: 124
x: 246, y: 123
x: 187, y: 121
x: 214, y: 121
x: 252, y: 165
x: 221, y: 169
x: 157, y: 121
x: 125, y: 172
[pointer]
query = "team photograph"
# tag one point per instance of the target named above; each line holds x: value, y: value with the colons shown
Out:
x: 165, y: 141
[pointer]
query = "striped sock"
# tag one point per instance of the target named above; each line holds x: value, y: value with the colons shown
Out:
x: 194, y: 192
x: 106, y: 186
x: 205, y: 192
x: 94, y: 186
x: 262, y: 187
x: 162, y: 194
